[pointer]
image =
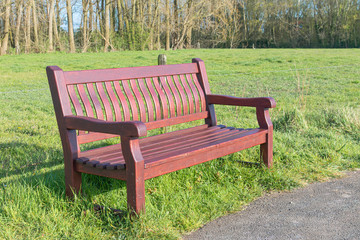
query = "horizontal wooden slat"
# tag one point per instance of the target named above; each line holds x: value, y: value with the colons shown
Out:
x: 176, y: 120
x: 217, y: 143
x: 103, y: 75
x: 95, y: 136
x: 204, y: 155
x: 165, y: 148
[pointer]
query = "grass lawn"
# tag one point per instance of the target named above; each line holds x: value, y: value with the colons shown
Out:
x: 317, y: 135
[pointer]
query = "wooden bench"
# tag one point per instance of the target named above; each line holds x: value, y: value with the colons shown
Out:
x: 92, y: 105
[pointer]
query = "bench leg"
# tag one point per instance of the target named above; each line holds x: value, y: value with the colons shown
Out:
x: 135, y: 181
x: 135, y: 185
x: 266, y: 150
x: 72, y: 180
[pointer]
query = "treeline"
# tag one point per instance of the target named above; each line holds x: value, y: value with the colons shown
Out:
x: 38, y: 25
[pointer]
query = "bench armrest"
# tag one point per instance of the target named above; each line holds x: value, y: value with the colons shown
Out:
x: 126, y: 129
x: 265, y: 102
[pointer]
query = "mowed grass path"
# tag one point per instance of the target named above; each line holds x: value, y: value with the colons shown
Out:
x: 317, y: 134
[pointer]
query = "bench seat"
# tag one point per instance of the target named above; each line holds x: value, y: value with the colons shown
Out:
x: 203, y: 142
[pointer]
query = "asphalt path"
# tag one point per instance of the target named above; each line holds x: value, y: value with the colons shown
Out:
x: 327, y: 210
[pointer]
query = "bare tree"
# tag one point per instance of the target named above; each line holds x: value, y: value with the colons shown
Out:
x: 19, y: 6
x: 5, y: 40
x: 28, y: 28
x: 51, y: 16
x: 107, y: 25
x: 35, y: 24
x: 70, y: 26
x: 167, y: 19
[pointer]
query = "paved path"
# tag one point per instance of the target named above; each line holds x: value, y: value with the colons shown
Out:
x: 329, y: 210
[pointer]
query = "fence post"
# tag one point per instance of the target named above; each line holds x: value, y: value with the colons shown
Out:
x: 162, y: 59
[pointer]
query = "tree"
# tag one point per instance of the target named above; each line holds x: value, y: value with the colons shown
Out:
x: 70, y: 26
x: 4, y: 44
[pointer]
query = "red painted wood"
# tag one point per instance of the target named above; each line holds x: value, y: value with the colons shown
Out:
x: 62, y: 107
x: 194, y: 92
x: 182, y: 93
x: 188, y: 94
x: 149, y: 105
x: 105, y: 101
x: 204, y: 82
x: 135, y: 181
x: 176, y: 120
x: 247, y: 136
x: 200, y: 91
x: 85, y: 100
x: 265, y: 102
x: 201, y: 156
x: 117, y: 174
x: 114, y: 101
x: 139, y: 99
x: 158, y: 96
x: 155, y: 99
x: 75, y: 100
x: 176, y: 95
x: 124, y: 103
x: 93, y: 137
x: 163, y: 100
x: 103, y: 75
x: 130, y: 97
x: 164, y: 85
x: 95, y: 101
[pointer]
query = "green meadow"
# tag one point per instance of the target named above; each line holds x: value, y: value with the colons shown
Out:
x: 316, y: 137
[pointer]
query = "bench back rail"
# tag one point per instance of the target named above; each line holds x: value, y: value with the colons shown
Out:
x: 158, y: 95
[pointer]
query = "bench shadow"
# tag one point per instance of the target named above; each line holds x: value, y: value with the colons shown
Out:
x: 34, y: 164
x: 19, y: 158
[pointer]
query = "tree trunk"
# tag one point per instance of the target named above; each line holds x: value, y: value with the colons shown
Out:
x: 158, y: 27
x: 51, y: 16
x: 18, y: 24
x: 36, y: 26
x: 120, y: 20
x: 85, y: 5
x: 27, y: 29
x: 167, y: 10
x: 107, y: 25
x: 151, y: 34
x: 91, y: 17
x: 5, y: 41
x: 189, y: 29
x: 70, y: 26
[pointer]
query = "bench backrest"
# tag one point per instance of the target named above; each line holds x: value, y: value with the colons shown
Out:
x: 161, y: 95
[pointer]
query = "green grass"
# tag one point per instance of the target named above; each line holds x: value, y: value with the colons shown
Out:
x: 317, y: 135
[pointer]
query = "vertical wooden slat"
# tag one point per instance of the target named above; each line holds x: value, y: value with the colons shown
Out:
x: 147, y: 97
x: 124, y: 103
x: 75, y: 101
x: 176, y: 95
x: 162, y: 97
x: 182, y: 95
x: 95, y: 100
x: 130, y: 97
x: 139, y: 99
x: 105, y: 101
x: 188, y: 94
x: 193, y: 89
x: 114, y: 101
x: 154, y: 98
x: 86, y: 101
x: 204, y: 82
x: 168, y: 95
x: 200, y: 90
